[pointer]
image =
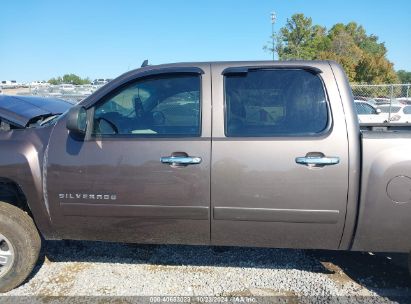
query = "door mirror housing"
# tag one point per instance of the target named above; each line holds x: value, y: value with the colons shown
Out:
x: 77, y: 120
x: 378, y: 111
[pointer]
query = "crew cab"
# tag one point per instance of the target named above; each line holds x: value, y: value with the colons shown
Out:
x: 266, y: 154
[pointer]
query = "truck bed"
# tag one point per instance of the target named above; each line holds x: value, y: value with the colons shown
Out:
x: 384, y: 215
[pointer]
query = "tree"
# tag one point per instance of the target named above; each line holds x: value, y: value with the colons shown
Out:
x: 55, y: 81
x: 362, y: 56
x: 404, y: 76
x: 69, y: 78
x: 343, y: 49
x: 375, y: 69
x: 299, y: 39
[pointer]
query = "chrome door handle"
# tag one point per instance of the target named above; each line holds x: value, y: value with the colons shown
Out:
x: 180, y: 160
x: 317, y: 161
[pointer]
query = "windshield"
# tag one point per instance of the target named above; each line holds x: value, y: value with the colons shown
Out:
x: 364, y: 109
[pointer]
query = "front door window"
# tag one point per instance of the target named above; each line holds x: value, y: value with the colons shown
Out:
x: 162, y: 106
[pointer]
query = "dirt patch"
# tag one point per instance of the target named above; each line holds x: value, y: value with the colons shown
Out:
x: 337, y: 274
x: 16, y: 91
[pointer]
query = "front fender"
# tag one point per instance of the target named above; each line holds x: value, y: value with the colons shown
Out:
x: 21, y: 161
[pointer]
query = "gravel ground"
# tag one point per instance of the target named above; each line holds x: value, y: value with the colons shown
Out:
x: 74, y: 268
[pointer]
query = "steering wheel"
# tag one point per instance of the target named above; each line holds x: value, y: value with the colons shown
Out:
x: 102, y: 121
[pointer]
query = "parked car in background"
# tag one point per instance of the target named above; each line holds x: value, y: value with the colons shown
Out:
x: 382, y: 101
x: 100, y: 81
x: 407, y: 113
x: 405, y: 100
x: 68, y: 88
x: 372, y: 102
x: 367, y: 113
x: 85, y: 89
x: 10, y: 84
x: 397, y: 113
x: 38, y: 84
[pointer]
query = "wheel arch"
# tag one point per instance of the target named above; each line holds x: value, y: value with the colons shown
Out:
x: 11, y: 193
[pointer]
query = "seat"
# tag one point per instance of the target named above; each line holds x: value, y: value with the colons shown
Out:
x: 237, y: 117
x: 138, y: 106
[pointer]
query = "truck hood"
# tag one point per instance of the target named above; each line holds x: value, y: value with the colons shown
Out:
x: 20, y: 110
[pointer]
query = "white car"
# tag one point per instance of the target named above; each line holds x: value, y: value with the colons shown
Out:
x: 396, y: 113
x: 67, y: 88
x: 367, y: 113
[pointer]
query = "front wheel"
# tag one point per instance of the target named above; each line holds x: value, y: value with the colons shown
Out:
x: 409, y: 263
x: 20, y: 245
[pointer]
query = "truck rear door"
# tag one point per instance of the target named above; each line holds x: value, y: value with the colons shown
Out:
x: 279, y: 175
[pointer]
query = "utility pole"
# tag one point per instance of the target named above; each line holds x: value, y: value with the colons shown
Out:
x: 273, y: 19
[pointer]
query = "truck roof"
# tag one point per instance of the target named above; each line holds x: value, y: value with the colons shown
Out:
x: 249, y: 63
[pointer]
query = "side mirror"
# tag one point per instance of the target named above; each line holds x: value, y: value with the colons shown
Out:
x: 77, y: 120
x: 378, y: 111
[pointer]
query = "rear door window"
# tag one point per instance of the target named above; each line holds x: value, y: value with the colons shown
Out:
x: 388, y: 109
x: 275, y: 102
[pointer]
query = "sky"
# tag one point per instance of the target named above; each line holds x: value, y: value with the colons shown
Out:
x: 103, y: 39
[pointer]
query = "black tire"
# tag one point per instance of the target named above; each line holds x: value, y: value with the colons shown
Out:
x: 19, y: 229
x: 409, y: 263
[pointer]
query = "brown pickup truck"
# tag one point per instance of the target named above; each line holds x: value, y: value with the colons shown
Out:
x: 266, y: 154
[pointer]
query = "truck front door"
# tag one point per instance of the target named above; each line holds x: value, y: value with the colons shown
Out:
x: 279, y: 157
x: 142, y: 173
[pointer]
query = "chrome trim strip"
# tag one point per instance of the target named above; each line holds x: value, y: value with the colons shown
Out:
x: 276, y: 215
x: 144, y: 211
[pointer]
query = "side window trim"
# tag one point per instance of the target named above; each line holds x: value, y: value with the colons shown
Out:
x: 315, y: 71
x: 132, y: 76
x: 246, y: 69
x: 163, y: 73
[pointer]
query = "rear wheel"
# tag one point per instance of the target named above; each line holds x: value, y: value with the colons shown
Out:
x: 20, y: 245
